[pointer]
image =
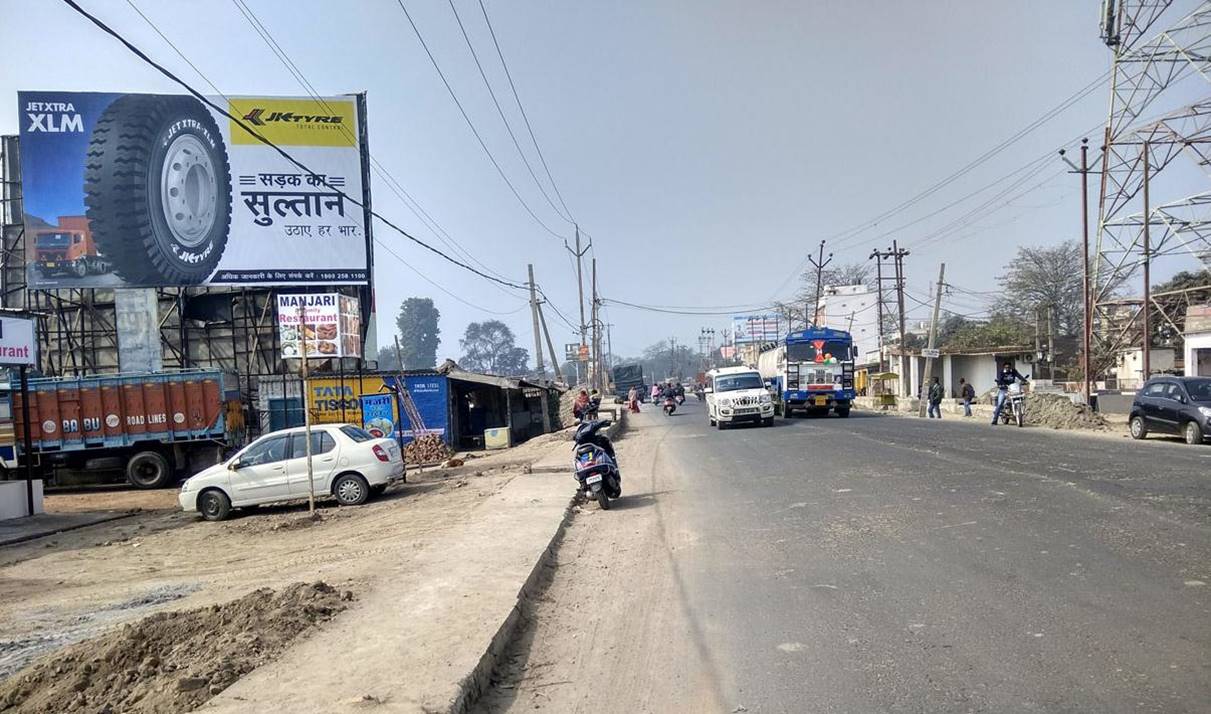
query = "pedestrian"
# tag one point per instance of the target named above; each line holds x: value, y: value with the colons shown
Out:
x: 633, y: 400
x: 581, y: 406
x: 968, y: 393
x: 935, y: 399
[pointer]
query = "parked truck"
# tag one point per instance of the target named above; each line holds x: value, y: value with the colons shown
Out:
x: 151, y: 429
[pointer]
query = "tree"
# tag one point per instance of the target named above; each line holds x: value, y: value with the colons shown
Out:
x: 490, y: 347
x: 419, y: 334
x: 1185, y: 289
x: 1000, y: 331
x: 1040, y: 277
x: 387, y: 359
x: 831, y: 277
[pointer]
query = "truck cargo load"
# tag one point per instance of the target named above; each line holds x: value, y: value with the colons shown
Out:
x: 151, y: 427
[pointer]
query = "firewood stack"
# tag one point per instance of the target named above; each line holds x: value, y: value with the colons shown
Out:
x: 426, y: 449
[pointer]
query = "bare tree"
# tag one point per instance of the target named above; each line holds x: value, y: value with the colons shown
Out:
x: 1043, y: 276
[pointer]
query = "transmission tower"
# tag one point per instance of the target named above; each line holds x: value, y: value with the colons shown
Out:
x: 1140, y: 220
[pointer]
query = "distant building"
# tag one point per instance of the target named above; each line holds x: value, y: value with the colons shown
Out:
x: 1198, y: 341
x: 855, y: 309
x: 1128, y: 367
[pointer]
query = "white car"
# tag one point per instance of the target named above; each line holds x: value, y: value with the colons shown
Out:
x: 735, y: 395
x: 348, y: 463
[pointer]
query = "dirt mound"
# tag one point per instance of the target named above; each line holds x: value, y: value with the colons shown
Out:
x: 171, y: 661
x: 1059, y: 412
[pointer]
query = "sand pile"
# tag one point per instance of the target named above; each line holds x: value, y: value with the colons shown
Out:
x: 171, y: 661
x: 1059, y: 412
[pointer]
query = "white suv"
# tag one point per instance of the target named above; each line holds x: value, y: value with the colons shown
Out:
x: 347, y: 463
x: 736, y: 395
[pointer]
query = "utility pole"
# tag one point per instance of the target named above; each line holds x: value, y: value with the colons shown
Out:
x: 579, y: 253
x: 672, y: 356
x: 1087, y: 327
x: 1147, y: 357
x: 933, y: 335
x: 595, y: 352
x: 895, y: 254
x: 899, y: 254
x: 542, y: 372
x: 307, y: 412
x: 813, y: 310
x: 550, y: 346
x: 879, y: 286
x: 1051, y: 341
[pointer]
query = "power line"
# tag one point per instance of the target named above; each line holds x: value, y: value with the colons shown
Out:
x: 667, y: 311
x: 392, y: 183
x: 471, y: 125
x: 854, y: 231
x: 424, y: 277
x: 492, y: 93
x: 293, y: 161
x: 522, y: 109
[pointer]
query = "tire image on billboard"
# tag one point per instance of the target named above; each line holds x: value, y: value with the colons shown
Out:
x: 158, y: 189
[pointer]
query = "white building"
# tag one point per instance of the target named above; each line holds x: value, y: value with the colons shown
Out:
x: 855, y: 309
x: 1198, y: 341
x: 1129, y: 365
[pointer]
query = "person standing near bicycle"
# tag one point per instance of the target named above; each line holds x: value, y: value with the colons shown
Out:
x: 1007, y: 376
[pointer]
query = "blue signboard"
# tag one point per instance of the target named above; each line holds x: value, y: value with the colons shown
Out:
x: 378, y: 414
x: 430, y: 394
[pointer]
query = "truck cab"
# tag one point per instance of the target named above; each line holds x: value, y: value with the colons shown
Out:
x: 818, y: 372
x: 737, y: 395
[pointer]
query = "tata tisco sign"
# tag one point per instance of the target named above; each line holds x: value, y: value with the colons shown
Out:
x: 143, y: 190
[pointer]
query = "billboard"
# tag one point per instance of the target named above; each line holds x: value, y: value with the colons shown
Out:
x: 330, y: 323
x: 340, y: 400
x: 18, y: 345
x: 751, y: 329
x: 156, y: 190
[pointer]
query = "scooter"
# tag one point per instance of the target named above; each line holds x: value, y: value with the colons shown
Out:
x: 594, y: 467
x: 670, y: 405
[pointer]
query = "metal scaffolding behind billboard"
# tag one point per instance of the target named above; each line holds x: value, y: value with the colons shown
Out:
x: 1140, y: 220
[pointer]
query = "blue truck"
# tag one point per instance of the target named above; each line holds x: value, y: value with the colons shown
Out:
x: 811, y: 372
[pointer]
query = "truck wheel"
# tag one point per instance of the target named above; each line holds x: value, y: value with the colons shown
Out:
x: 79, y: 268
x: 843, y: 412
x: 148, y: 469
x: 158, y: 189
x: 214, y: 505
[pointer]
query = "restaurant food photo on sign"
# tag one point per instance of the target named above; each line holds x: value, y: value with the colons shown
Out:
x: 152, y: 190
x: 330, y: 323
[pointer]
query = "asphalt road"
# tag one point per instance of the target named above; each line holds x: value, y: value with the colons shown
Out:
x: 883, y: 563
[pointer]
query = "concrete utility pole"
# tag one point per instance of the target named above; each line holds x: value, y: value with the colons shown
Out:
x: 595, y: 354
x: 879, y: 300
x: 550, y: 346
x: 579, y: 253
x: 1147, y: 356
x: 927, y: 377
x: 542, y: 372
x: 1087, y: 295
x: 306, y: 412
x: 813, y: 310
x: 1051, y: 341
x: 899, y: 254
x: 895, y: 254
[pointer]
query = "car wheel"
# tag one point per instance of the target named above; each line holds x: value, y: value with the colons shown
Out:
x: 214, y: 505
x: 148, y: 469
x: 1193, y: 434
x: 351, y: 490
x: 1138, y: 430
x: 768, y: 421
x: 158, y: 189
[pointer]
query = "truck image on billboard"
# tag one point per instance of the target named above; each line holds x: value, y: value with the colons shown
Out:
x: 152, y: 190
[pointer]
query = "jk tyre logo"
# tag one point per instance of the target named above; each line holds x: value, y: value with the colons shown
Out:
x: 295, y: 122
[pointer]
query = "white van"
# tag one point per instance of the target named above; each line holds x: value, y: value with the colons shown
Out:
x: 736, y: 395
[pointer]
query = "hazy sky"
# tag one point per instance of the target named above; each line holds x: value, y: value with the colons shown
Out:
x: 707, y: 146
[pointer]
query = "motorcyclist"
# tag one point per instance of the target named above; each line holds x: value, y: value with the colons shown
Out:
x: 1007, y: 376
x: 668, y: 391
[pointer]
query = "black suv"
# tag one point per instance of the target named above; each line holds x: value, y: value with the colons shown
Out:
x: 1173, y: 405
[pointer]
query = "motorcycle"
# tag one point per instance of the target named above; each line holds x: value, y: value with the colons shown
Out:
x: 670, y: 405
x: 1015, y: 405
x: 595, y: 468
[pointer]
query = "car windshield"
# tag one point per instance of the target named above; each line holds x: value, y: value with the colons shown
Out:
x: 54, y: 240
x: 1199, y: 389
x: 732, y: 382
x: 358, y: 435
x: 818, y: 351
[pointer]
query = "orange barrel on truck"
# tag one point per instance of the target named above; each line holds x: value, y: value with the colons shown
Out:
x: 152, y: 428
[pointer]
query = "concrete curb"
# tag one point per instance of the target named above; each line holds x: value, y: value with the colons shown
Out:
x: 472, y: 687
